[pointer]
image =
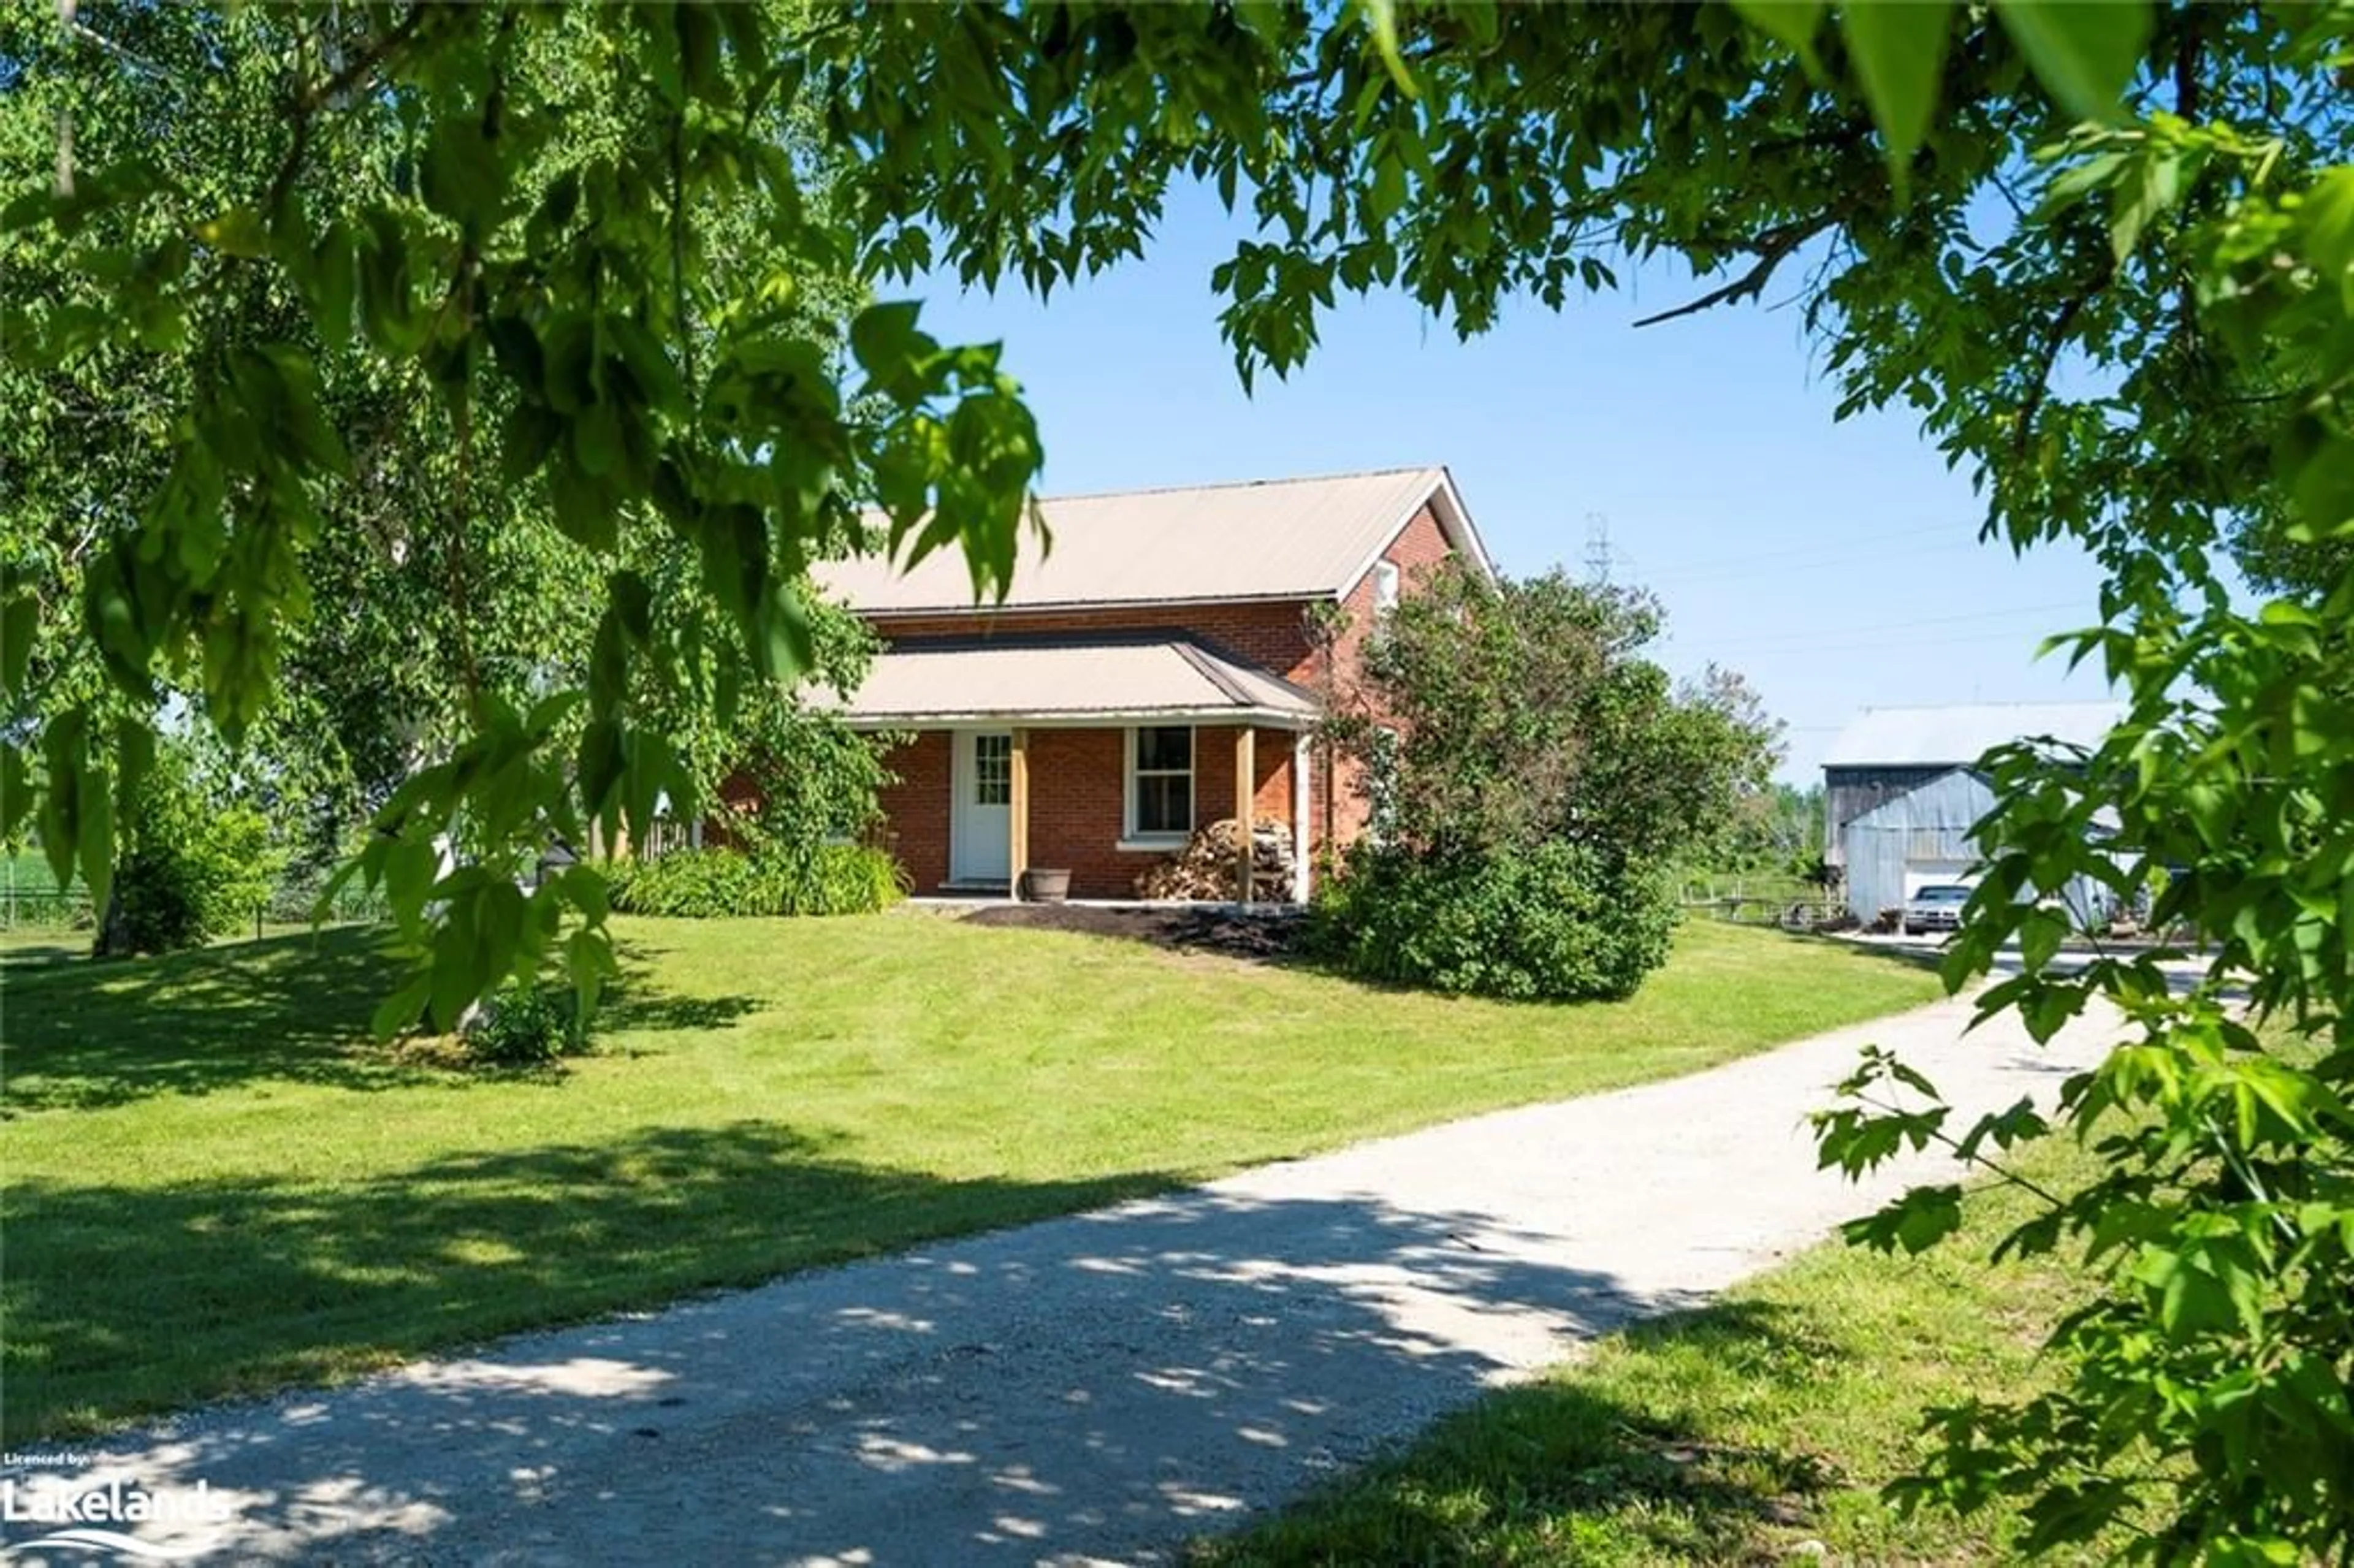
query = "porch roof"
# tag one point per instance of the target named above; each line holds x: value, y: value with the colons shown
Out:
x: 1157, y: 678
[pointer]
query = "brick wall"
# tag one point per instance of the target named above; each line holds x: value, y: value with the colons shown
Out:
x: 1076, y: 780
x: 1078, y: 801
x: 916, y: 808
x: 738, y: 792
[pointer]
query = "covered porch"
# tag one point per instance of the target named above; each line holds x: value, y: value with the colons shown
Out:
x: 1097, y: 756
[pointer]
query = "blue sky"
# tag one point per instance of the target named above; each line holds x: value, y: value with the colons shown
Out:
x: 1835, y: 564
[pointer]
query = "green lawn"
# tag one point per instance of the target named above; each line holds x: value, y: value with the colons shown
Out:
x: 1739, y: 1432
x: 215, y: 1184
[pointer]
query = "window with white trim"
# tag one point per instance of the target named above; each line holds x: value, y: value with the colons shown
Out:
x: 1385, y: 587
x: 1159, y: 781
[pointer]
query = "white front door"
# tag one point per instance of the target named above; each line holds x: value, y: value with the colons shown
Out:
x: 981, y: 833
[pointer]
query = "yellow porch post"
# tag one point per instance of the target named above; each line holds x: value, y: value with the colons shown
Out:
x: 1246, y: 778
x: 1019, y: 835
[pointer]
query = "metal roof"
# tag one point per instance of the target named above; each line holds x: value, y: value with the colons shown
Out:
x: 1070, y: 680
x: 1933, y: 737
x: 1277, y: 538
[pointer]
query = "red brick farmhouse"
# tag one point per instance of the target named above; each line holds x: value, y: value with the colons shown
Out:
x: 1154, y: 670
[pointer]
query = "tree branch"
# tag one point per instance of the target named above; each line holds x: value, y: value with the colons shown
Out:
x: 366, y: 60
x: 83, y: 30
x: 2187, y: 53
x: 1993, y: 1167
x: 314, y: 95
x: 1771, y: 249
x: 2055, y: 339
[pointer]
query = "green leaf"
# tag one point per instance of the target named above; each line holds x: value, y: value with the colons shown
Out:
x: 1916, y: 1221
x: 1899, y: 51
x: 527, y: 435
x: 20, y: 615
x: 334, y: 283
x: 314, y: 438
x: 2328, y: 212
x: 2080, y: 180
x: 134, y: 750
x: 464, y: 175
x: 1380, y: 16
x: 2155, y: 185
x: 2083, y: 54
x: 586, y: 886
x: 96, y: 835
x: 599, y: 766
x: 239, y: 231
x: 2191, y: 1300
x: 584, y: 508
x: 16, y: 792
x: 1388, y: 192
x: 2039, y: 936
x: 589, y: 958
x: 885, y: 341
x: 1793, y: 22
x: 62, y: 752
x: 401, y: 1010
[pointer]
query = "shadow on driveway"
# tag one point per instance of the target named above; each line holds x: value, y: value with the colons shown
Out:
x: 1105, y: 1385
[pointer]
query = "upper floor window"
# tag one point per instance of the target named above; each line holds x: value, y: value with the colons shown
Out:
x: 1159, y: 781
x: 1385, y: 587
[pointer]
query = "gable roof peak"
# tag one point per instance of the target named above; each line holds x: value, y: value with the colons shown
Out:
x: 1308, y: 538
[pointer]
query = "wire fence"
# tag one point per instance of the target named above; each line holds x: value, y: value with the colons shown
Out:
x: 1807, y: 913
x: 51, y: 909
x: 44, y: 908
x: 1762, y: 898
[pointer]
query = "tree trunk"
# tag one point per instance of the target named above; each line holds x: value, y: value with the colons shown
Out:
x: 114, y: 938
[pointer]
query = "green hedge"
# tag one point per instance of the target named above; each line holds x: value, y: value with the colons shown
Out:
x: 1554, y: 924
x: 714, y: 884
x: 194, y: 869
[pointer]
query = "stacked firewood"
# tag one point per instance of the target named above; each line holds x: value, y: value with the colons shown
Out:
x: 1205, y: 868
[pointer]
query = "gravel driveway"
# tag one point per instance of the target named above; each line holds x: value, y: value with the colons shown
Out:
x: 1098, y: 1388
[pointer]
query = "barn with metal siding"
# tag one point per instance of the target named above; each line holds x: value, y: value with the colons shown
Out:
x: 1914, y: 839
x: 1901, y: 790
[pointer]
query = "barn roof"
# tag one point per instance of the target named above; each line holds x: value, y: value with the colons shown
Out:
x: 1276, y: 538
x: 1955, y: 735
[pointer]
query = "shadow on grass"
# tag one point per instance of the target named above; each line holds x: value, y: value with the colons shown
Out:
x: 21, y: 951
x: 1179, y: 928
x: 92, y: 1035
x: 125, y: 1299
x: 1572, y: 1470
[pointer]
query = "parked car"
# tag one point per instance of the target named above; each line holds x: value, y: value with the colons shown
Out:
x: 1936, y: 907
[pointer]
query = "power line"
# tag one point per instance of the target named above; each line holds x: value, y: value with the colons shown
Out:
x: 1891, y: 643
x: 1845, y: 631
x: 1812, y: 564
x: 1715, y: 564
